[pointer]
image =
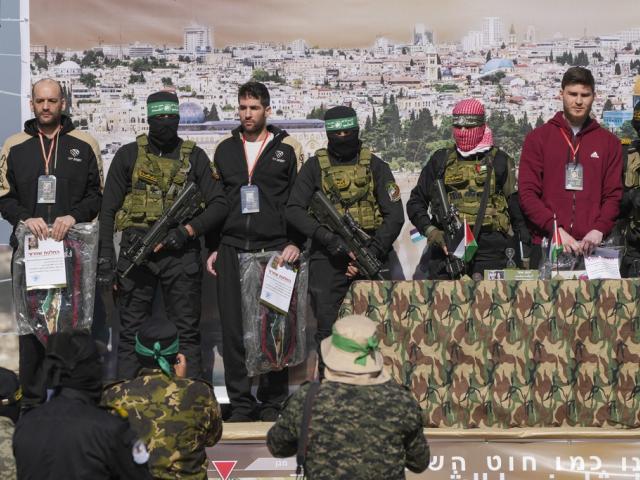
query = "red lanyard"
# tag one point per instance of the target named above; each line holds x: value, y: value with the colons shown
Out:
x: 244, y: 145
x: 47, y: 158
x: 574, y: 150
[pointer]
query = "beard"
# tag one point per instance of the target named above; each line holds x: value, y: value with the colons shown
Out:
x: 256, y: 126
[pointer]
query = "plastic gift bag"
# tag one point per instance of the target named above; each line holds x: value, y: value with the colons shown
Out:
x: 44, y: 311
x: 272, y: 340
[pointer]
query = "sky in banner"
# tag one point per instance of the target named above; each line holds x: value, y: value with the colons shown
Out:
x: 79, y: 24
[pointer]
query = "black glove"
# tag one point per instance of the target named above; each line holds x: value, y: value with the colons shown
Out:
x: 524, y: 235
x: 332, y: 242
x: 635, y: 198
x: 176, y: 238
x: 106, y: 273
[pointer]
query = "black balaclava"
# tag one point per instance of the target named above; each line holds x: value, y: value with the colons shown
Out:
x: 163, y: 117
x: 10, y: 394
x: 635, y: 121
x: 157, y: 337
x: 73, y: 361
x: 339, y: 119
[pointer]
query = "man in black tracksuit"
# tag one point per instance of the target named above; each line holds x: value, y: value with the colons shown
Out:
x: 364, y: 185
x: 257, y: 166
x: 161, y: 164
x: 50, y: 148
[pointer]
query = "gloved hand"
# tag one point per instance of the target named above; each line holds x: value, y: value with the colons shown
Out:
x: 176, y: 238
x: 332, y: 242
x: 436, y: 238
x: 105, y: 276
x: 524, y: 235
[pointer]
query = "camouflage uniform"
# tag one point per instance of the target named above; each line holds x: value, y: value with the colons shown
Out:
x: 7, y: 462
x: 176, y: 417
x: 356, y: 432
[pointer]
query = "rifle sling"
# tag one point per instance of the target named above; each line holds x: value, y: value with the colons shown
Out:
x: 303, y: 441
x: 483, y: 202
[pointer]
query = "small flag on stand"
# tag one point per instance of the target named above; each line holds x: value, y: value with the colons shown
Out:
x: 555, y: 248
x: 467, y: 247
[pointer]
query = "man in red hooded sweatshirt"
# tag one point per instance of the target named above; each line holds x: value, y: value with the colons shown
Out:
x: 571, y: 168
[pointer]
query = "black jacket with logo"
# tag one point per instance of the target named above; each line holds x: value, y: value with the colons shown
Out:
x: 78, y: 172
x: 274, y: 175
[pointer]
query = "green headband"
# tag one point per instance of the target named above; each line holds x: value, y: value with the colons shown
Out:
x: 465, y: 120
x: 337, y: 124
x: 162, y: 108
x: 350, y: 346
x: 158, y: 354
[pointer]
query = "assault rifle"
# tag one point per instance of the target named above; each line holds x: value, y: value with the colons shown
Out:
x: 348, y: 229
x: 447, y: 216
x: 185, y: 206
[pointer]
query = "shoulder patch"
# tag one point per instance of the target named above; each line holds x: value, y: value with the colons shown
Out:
x: 393, y: 190
x: 625, y: 141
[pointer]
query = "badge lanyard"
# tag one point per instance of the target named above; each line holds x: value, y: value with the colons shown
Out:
x: 574, y: 150
x: 47, y: 158
x: 244, y: 146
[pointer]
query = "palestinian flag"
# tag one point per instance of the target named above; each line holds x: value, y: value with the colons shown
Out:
x: 467, y: 247
x: 555, y: 248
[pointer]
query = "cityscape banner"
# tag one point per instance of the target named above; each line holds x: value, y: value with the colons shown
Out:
x: 401, y: 66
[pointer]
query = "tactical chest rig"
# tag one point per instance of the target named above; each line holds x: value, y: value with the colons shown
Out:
x: 465, y: 180
x: 351, y: 188
x: 155, y: 183
x: 632, y: 179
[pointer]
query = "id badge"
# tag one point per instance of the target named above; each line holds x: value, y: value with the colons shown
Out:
x: 574, y: 176
x: 249, y: 199
x: 46, y: 189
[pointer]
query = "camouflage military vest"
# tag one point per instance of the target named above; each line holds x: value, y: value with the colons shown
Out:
x: 351, y: 188
x: 155, y: 183
x: 465, y: 180
x: 632, y: 180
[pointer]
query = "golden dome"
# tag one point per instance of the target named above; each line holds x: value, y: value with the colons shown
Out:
x: 636, y: 87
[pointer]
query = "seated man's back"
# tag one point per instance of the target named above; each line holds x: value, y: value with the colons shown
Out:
x: 363, y: 425
x: 176, y: 417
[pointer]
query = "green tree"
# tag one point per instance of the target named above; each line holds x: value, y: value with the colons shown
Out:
x: 137, y: 78
x: 317, y: 113
x: 212, y: 115
x: 167, y: 82
x: 539, y: 121
x: 617, y: 69
x: 88, y: 80
x: 608, y: 105
x: 488, y: 57
x: 40, y: 63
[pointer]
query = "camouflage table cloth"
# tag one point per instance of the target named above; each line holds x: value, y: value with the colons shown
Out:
x: 511, y: 353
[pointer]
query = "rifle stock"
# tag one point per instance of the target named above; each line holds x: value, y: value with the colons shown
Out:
x: 185, y: 206
x: 447, y: 216
x: 348, y: 229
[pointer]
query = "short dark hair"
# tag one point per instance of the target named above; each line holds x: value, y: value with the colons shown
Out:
x: 580, y: 75
x: 255, y: 90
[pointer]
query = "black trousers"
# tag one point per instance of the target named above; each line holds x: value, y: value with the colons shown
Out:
x: 179, y: 276
x: 328, y: 286
x: 273, y: 387
x: 30, y: 375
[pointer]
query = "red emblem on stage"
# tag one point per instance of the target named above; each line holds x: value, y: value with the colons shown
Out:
x: 224, y: 467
